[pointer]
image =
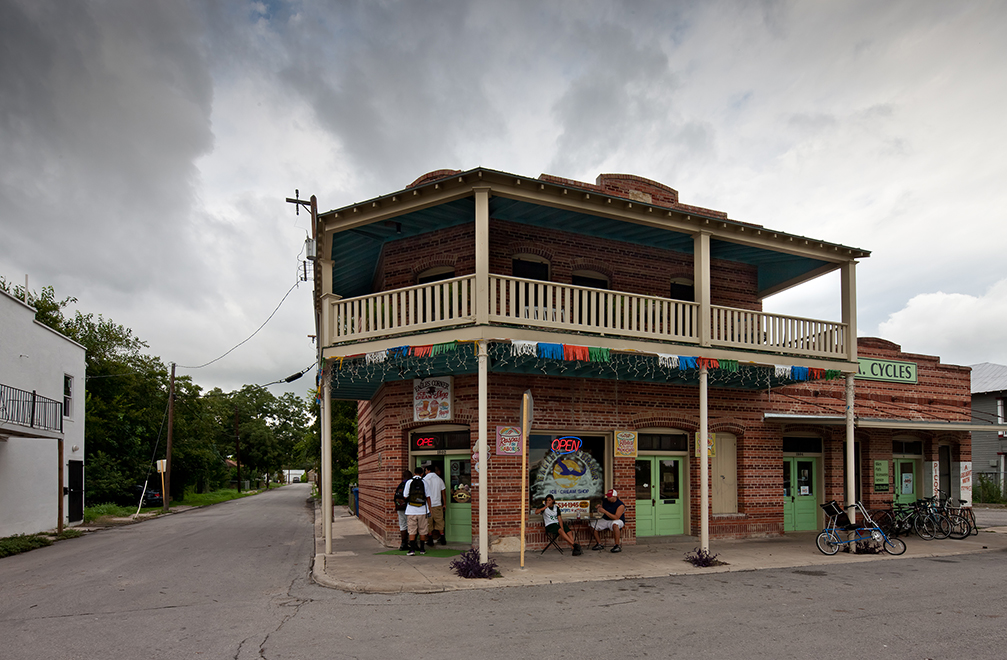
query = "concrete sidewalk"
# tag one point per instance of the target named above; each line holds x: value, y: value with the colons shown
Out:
x: 355, y: 563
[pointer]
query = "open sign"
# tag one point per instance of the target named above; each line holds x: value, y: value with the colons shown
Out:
x: 426, y: 443
x: 566, y: 445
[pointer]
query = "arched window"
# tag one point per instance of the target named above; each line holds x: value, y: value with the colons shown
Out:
x: 530, y: 267
x: 682, y: 288
x: 590, y: 278
x: 435, y: 274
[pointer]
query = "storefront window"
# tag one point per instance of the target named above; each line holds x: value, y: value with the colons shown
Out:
x: 569, y: 467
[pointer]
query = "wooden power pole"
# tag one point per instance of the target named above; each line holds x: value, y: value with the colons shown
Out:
x: 171, y: 424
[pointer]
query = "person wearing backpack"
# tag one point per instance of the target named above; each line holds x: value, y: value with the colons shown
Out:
x: 417, y: 508
x: 400, y: 508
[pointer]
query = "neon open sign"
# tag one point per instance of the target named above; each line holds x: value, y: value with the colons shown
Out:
x: 566, y: 445
x: 425, y: 443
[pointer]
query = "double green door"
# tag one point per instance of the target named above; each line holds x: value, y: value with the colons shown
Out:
x: 800, y: 494
x: 457, y: 474
x: 659, y: 500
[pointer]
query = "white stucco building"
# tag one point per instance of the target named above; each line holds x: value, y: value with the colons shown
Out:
x: 41, y: 423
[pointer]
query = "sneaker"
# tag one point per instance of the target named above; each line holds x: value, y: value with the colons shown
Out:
x: 442, y: 541
x: 576, y: 550
x: 617, y: 548
x: 411, y: 553
x: 598, y: 546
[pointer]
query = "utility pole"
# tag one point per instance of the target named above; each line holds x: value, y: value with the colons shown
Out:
x: 237, y: 446
x: 171, y: 424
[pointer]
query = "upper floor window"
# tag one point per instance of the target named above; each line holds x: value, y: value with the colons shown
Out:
x: 67, y: 396
x: 590, y: 278
x: 530, y: 267
x: 682, y: 289
x: 435, y: 274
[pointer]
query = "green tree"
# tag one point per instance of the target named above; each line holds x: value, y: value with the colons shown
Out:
x: 344, y: 445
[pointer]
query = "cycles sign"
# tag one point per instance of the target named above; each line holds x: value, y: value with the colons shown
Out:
x: 892, y: 371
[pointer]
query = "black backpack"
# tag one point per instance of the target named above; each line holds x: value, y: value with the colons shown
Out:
x: 417, y: 492
x: 400, y: 498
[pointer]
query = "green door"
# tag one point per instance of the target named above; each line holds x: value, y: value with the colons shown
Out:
x: 906, y: 481
x: 800, y: 494
x: 458, y: 512
x: 659, y: 507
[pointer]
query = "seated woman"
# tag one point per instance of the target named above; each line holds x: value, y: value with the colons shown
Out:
x: 554, y: 525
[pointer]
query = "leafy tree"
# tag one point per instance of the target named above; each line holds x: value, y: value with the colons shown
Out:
x: 344, y: 445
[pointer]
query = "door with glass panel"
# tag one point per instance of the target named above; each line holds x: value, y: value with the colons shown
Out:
x: 800, y: 494
x: 458, y: 512
x: 906, y: 481
x: 659, y: 505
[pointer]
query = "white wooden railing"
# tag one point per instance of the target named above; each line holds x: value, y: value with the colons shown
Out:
x: 581, y: 309
x: 576, y: 309
x: 739, y: 328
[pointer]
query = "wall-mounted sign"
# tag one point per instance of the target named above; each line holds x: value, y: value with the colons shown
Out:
x: 625, y: 444
x: 432, y: 399
x: 892, y: 371
x: 509, y: 441
x: 881, y: 484
x: 711, y: 444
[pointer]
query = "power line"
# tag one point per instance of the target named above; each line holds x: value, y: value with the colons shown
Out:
x: 180, y: 366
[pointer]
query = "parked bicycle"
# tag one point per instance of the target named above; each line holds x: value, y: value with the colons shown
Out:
x: 830, y: 540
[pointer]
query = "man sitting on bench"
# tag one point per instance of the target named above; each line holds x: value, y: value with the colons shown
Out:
x: 554, y: 525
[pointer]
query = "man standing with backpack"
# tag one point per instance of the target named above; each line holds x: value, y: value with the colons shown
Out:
x: 417, y: 508
x: 400, y: 508
x: 435, y: 491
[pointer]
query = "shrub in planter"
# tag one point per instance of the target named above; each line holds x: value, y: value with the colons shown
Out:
x: 468, y: 566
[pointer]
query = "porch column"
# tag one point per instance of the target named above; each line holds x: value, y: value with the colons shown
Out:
x: 851, y: 469
x: 848, y: 275
x: 704, y: 464
x: 482, y: 447
x: 701, y: 283
x: 326, y: 461
x: 482, y: 250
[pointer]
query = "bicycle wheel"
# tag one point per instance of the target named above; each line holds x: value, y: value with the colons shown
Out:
x: 894, y: 546
x: 942, y: 526
x: 972, y: 520
x: 924, y: 528
x: 960, y: 527
x: 828, y: 543
x: 886, y: 521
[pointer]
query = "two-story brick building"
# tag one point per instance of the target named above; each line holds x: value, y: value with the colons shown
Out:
x: 635, y: 322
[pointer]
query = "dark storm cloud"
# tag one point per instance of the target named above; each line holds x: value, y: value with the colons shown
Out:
x: 104, y: 107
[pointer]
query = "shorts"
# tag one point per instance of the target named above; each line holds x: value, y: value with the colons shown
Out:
x: 605, y: 523
x: 402, y: 521
x: 417, y: 525
x: 553, y: 529
x: 437, y: 517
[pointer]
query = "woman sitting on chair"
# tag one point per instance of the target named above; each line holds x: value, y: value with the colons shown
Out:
x: 554, y: 525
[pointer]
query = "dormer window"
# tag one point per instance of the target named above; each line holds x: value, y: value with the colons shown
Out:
x: 682, y: 289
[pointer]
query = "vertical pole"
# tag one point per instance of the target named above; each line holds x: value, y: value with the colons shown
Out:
x: 482, y: 250
x: 848, y: 285
x: 326, y: 461
x: 59, y: 507
x: 701, y: 284
x: 482, y: 448
x: 704, y: 463
x: 524, y: 470
x: 851, y: 469
x: 166, y: 495
x: 237, y: 446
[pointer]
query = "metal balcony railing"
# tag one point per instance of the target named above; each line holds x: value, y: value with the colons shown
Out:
x: 30, y: 409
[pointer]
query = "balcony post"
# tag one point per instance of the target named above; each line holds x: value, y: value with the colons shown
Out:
x: 701, y: 284
x: 848, y: 273
x: 702, y: 443
x: 482, y: 252
x: 482, y: 448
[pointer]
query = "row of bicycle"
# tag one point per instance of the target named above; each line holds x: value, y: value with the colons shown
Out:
x: 879, y: 530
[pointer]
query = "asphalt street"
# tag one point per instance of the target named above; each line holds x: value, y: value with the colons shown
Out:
x: 231, y: 581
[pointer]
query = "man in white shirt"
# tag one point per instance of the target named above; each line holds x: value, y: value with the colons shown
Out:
x: 417, y: 509
x: 438, y: 498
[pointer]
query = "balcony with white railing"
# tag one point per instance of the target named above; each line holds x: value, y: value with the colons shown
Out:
x: 565, y: 308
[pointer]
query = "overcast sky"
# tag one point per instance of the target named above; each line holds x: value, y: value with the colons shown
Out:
x: 146, y: 148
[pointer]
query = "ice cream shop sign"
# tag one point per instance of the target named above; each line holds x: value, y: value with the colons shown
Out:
x: 432, y: 399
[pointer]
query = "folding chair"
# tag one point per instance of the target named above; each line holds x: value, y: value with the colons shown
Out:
x: 552, y: 543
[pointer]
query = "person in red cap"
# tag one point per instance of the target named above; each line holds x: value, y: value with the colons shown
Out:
x: 613, y: 517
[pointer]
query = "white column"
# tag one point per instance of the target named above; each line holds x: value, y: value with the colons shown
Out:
x: 482, y: 250
x: 851, y: 468
x: 704, y: 464
x: 326, y: 434
x: 482, y: 447
x: 701, y: 283
x: 848, y: 276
